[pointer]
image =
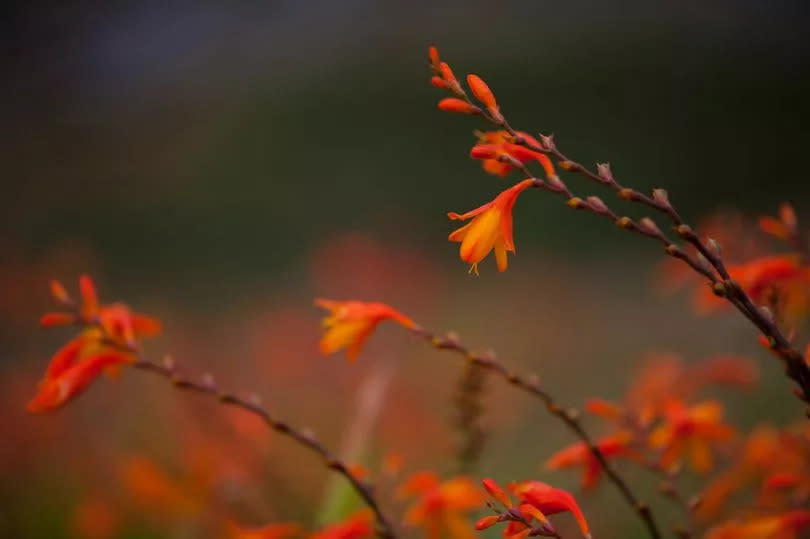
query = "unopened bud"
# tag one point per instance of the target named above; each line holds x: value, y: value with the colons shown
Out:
x: 624, y: 222
x: 626, y: 193
x: 548, y: 142
x: 661, y: 196
x: 603, y: 169
x: 714, y: 246
x: 567, y: 165
x: 597, y: 204
x: 648, y: 225
x: 575, y: 202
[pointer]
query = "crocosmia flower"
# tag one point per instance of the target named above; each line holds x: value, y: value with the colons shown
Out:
x: 440, y: 508
x: 490, y: 228
x: 616, y: 445
x: 351, y: 322
x: 692, y: 431
x: 494, y: 144
x: 549, y: 501
x: 106, y: 342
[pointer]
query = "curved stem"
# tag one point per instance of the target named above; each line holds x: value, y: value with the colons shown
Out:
x: 568, y: 417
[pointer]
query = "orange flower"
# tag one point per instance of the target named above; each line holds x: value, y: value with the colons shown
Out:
x: 785, y: 526
x: 692, y: 429
x: 758, y: 276
x: 490, y: 229
x: 549, y: 501
x: 578, y: 454
x: 106, y: 343
x: 441, y: 507
x: 69, y: 380
x: 282, y: 530
x: 494, y: 144
x: 351, y: 322
x: 357, y: 526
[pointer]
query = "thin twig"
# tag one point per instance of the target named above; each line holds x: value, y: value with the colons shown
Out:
x: 569, y: 417
x: 207, y: 385
x: 796, y: 368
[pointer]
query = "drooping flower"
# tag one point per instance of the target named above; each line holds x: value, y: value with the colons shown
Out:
x: 492, y: 145
x: 441, y: 508
x: 620, y: 444
x: 690, y: 430
x: 549, y: 501
x: 490, y: 228
x: 351, y: 322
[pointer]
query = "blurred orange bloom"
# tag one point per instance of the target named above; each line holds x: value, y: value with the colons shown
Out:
x: 282, y: 530
x: 153, y: 489
x: 440, y: 508
x: 620, y: 444
x: 493, y: 144
x: 95, y: 518
x: 549, y: 501
x: 788, y: 525
x: 351, y: 322
x: 491, y: 228
x: 356, y: 526
x: 691, y: 430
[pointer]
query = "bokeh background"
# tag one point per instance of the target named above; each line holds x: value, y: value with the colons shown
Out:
x: 221, y: 164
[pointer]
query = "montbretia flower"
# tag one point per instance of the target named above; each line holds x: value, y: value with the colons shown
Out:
x: 107, y: 341
x: 492, y: 146
x: 549, y: 501
x: 490, y: 228
x: 440, y: 508
x: 350, y: 323
x: 690, y: 430
x: 621, y: 444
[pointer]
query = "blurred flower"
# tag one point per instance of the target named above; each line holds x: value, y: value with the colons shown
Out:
x: 95, y: 518
x: 271, y: 531
x: 620, y: 444
x: 351, y: 322
x: 787, y: 525
x: 440, y: 508
x: 356, y: 526
x: 491, y: 228
x: 690, y: 430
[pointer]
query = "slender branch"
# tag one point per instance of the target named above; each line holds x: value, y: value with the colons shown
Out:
x: 207, y: 386
x: 569, y: 417
x: 796, y: 368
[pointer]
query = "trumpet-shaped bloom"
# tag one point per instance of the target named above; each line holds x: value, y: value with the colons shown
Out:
x: 350, y: 323
x: 490, y: 228
x: 691, y: 430
x: 492, y: 145
x: 440, y: 508
x: 549, y: 501
x: 617, y: 445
